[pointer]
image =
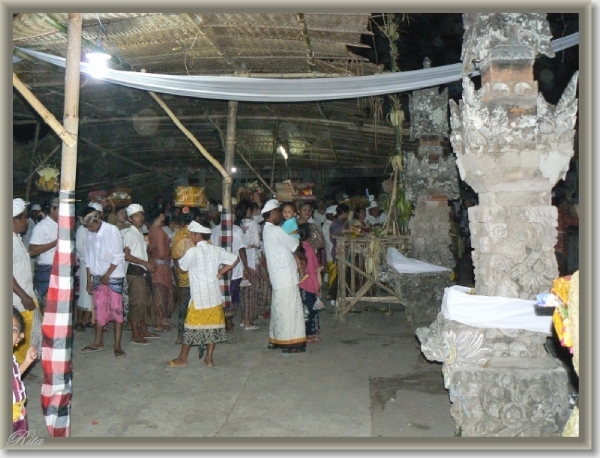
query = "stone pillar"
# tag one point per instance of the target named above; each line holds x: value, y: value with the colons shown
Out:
x: 431, y: 178
x: 512, y: 147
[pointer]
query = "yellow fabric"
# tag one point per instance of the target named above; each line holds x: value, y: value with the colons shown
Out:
x: 24, y: 345
x: 177, y: 253
x: 18, y: 409
x: 332, y: 272
x: 213, y: 317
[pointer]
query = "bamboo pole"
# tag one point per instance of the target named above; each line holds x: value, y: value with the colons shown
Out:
x: 255, y: 172
x: 71, y: 110
x: 191, y: 137
x: 32, y: 168
x: 275, y: 139
x: 232, y: 107
x: 48, y: 117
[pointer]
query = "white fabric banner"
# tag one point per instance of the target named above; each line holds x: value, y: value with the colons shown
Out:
x: 282, y: 90
x: 406, y: 265
x: 492, y: 311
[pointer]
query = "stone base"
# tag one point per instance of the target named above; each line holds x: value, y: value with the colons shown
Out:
x: 421, y: 294
x: 501, y: 382
x: 519, y: 398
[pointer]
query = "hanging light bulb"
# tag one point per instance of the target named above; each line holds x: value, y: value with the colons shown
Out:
x: 282, y: 151
x: 98, y: 58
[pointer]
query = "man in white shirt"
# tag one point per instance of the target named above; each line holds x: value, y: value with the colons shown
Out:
x: 43, y: 244
x: 24, y: 299
x: 375, y: 215
x: 138, y: 272
x: 287, y: 330
x: 320, y: 215
x: 205, y: 319
x: 105, y: 270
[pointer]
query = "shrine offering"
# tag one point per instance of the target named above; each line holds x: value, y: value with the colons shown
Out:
x: 190, y: 196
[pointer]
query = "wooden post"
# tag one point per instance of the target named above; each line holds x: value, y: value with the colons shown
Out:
x: 229, y: 152
x: 275, y: 138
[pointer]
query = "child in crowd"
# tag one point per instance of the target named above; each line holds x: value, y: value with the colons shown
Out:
x: 19, y: 413
x: 310, y: 285
x: 289, y: 212
x: 290, y: 226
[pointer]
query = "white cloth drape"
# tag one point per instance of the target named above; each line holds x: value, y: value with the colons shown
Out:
x: 282, y: 90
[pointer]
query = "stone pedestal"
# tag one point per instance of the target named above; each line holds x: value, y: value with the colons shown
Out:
x: 501, y: 382
x: 430, y: 232
x: 420, y: 294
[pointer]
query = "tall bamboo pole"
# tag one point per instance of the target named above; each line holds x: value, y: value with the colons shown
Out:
x: 232, y: 107
x: 275, y: 137
x: 71, y: 112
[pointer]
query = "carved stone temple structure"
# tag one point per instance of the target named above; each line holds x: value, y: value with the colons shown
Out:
x: 512, y: 147
x: 431, y: 179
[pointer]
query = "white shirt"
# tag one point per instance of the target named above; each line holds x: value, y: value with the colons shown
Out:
x: 80, y: 242
x: 237, y: 242
x: 251, y: 237
x: 279, y: 246
x: 134, y: 240
x: 103, y: 248
x: 319, y: 219
x: 328, y: 244
x: 28, y: 233
x: 21, y: 271
x: 379, y: 220
x: 202, y: 262
x: 44, y: 232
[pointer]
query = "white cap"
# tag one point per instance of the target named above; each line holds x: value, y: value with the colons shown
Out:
x: 134, y: 208
x: 96, y: 206
x: 270, y: 205
x: 373, y: 204
x: 331, y: 209
x: 196, y: 227
x: 37, y: 207
x: 19, y: 206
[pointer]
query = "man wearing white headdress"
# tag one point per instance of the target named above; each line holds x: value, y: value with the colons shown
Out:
x: 24, y: 298
x: 205, y: 320
x: 138, y: 277
x: 287, y: 330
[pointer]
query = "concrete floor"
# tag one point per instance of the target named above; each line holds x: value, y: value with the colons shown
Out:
x: 366, y: 378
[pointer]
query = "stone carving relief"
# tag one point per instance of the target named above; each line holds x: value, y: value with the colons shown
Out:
x: 493, y: 148
x: 430, y: 233
x: 485, y: 32
x: 513, y: 249
x: 428, y: 113
x: 501, y: 382
x: 421, y: 174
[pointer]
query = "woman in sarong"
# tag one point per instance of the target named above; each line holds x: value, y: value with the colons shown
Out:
x: 159, y: 251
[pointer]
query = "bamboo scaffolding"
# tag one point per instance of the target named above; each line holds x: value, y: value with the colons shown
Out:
x: 191, y: 137
x: 255, y: 172
x: 48, y: 117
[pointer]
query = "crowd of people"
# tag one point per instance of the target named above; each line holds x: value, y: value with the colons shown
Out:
x: 151, y: 272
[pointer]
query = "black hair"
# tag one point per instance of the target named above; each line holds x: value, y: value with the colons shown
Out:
x: 304, y: 231
x: 254, y: 206
x: 289, y: 204
x: 86, y: 211
x: 341, y: 208
x: 240, y: 211
x: 156, y: 212
x: 17, y: 315
x: 357, y: 211
x: 558, y: 200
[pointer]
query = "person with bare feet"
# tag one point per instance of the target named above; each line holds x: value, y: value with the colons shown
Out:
x: 138, y: 277
x: 103, y: 256
x: 205, y: 320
